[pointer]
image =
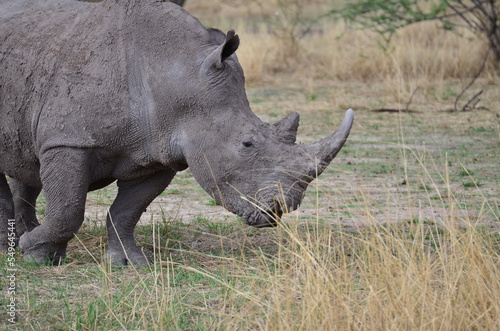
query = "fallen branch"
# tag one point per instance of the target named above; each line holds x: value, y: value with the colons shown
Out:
x: 394, y: 110
x: 399, y: 110
x: 475, y: 100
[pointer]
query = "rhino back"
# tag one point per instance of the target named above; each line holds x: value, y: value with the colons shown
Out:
x: 58, y: 74
x: 73, y: 73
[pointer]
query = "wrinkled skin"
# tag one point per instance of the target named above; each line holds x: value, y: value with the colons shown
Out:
x: 133, y: 91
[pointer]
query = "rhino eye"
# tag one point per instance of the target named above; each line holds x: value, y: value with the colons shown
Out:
x: 247, y: 143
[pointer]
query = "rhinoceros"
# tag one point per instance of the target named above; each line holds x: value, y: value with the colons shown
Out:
x: 133, y: 91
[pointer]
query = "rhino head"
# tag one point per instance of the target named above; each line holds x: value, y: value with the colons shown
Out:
x: 252, y: 168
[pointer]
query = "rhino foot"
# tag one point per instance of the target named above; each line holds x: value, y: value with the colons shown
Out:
x: 42, y: 253
x: 133, y: 256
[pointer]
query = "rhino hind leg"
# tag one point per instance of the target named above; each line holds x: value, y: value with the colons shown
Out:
x: 25, y: 206
x: 65, y: 176
x: 6, y: 212
x: 133, y: 198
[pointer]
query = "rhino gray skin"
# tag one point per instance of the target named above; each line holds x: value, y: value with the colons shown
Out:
x: 133, y: 91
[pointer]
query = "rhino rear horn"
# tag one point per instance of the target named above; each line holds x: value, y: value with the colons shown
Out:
x: 221, y: 53
x: 286, y: 128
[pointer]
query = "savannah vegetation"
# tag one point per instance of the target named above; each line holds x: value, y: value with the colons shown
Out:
x: 401, y: 232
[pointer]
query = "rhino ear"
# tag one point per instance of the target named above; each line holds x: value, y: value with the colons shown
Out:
x: 286, y: 128
x: 230, y: 46
x: 221, y: 53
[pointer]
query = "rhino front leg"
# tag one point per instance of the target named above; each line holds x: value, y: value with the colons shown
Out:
x: 6, y: 213
x: 132, y: 199
x: 65, y: 177
x: 24, y: 205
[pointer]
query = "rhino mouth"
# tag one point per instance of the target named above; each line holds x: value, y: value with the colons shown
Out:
x: 265, y: 209
x: 268, y: 219
x: 265, y: 218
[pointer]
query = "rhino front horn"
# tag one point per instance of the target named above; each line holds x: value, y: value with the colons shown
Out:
x: 326, y: 149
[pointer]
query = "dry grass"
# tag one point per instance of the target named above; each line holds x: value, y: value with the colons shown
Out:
x: 422, y: 55
x: 337, y: 52
x: 381, y: 278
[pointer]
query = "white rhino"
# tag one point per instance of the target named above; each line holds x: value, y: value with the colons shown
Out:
x: 133, y: 91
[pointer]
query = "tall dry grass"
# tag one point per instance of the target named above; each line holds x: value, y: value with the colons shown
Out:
x: 284, y: 39
x: 423, y: 52
x: 382, y: 278
x: 414, y: 276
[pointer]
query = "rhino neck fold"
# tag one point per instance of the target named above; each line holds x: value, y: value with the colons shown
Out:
x: 142, y: 111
